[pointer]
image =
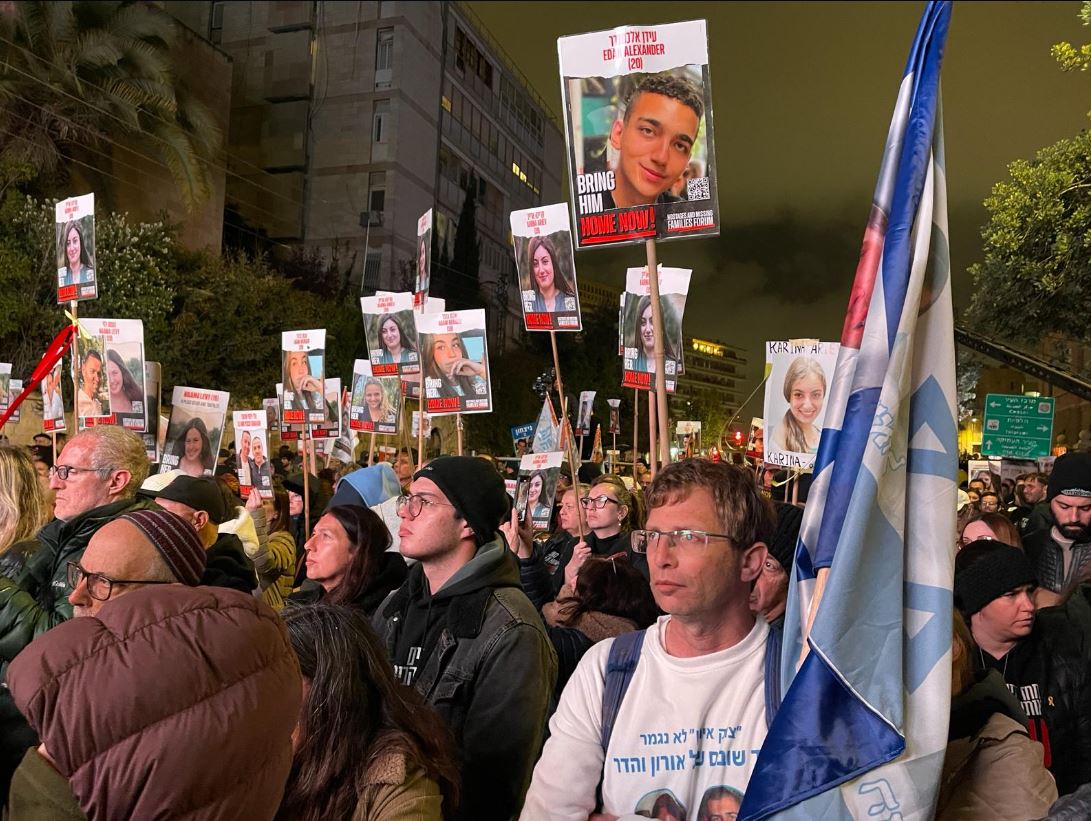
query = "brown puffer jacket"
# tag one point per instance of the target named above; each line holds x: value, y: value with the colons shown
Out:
x: 173, y: 702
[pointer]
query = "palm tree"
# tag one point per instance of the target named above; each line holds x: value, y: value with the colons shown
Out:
x: 77, y: 77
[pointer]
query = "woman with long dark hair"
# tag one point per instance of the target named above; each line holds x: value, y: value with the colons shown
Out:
x: 366, y: 748
x: 396, y: 344
x: 445, y: 360
x: 123, y: 388
x: 78, y: 265
x: 550, y: 280
x: 194, y: 449
x: 642, y: 335
x: 347, y: 560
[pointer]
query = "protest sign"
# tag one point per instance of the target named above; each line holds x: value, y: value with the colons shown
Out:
x: 583, y: 418
x: 15, y: 387
x: 53, y: 401
x: 121, y: 372
x: 272, y: 413
x: 521, y: 437
x: 538, y: 473
x: 304, y: 365
x: 423, y: 258
x: 93, y: 398
x: 615, y: 416
x: 987, y: 470
x: 194, y: 431
x: 547, y: 432
x: 330, y: 428
x: 637, y: 106
x: 414, y: 431
x: 5, y: 385
x: 375, y: 400
x: 755, y: 441
x: 75, y: 246
x: 153, y: 373
x: 343, y: 448
x: 391, y: 333
x: 637, y: 339
x: 455, y: 361
x: 795, y: 394
x: 545, y: 261
x: 252, y: 452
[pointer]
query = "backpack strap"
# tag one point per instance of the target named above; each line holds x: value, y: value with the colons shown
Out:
x: 772, y: 673
x: 620, y: 666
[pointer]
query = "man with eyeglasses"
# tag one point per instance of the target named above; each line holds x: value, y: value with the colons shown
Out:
x: 462, y: 633
x: 95, y: 480
x: 699, y: 687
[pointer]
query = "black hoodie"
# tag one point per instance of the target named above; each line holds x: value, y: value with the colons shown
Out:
x: 425, y: 613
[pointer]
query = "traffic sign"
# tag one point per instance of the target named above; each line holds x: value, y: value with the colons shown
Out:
x: 1017, y: 426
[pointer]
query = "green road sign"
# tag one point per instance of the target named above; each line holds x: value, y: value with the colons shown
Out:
x: 1016, y: 426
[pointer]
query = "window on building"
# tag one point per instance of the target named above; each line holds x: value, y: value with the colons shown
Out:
x: 372, y: 265
x: 380, y: 119
x: 384, y: 57
x: 215, y: 33
x: 376, y: 197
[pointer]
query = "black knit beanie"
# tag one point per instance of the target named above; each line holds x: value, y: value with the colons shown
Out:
x: 987, y: 569
x: 782, y: 546
x: 1071, y: 476
x: 476, y: 490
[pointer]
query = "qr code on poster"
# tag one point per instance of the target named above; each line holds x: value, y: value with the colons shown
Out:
x: 697, y: 188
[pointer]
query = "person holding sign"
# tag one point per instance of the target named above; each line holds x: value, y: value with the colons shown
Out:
x: 78, y: 268
x: 654, y: 140
x: 195, y: 448
x: 551, y: 282
x: 123, y: 388
x: 396, y: 344
x: 445, y: 360
x: 805, y: 391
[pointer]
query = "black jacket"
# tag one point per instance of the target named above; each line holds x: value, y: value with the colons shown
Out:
x: 1048, y: 559
x: 389, y: 575
x: 618, y: 543
x: 229, y: 566
x: 1048, y: 673
x: 489, y: 672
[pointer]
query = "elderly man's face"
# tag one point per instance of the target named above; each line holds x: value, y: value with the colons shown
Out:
x: 118, y: 550
x: 84, y: 489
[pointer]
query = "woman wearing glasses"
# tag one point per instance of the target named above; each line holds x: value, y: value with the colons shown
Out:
x: 610, y: 511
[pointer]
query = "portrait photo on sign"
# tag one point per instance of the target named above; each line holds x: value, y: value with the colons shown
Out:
x: 193, y: 440
x: 53, y: 399
x: 391, y: 334
x: 423, y: 258
x: 545, y: 262
x: 125, y: 380
x: 454, y: 356
x: 795, y: 400
x: 538, y: 475
x: 93, y: 399
x: 638, y: 122
x: 153, y: 374
x: 639, y: 335
x: 303, y: 378
x: 75, y: 247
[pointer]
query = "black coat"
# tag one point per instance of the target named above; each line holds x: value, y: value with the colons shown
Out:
x: 389, y: 575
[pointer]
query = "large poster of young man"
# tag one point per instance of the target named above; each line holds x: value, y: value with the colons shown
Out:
x: 391, y: 334
x: 545, y: 261
x: 122, y: 372
x: 637, y: 332
x: 75, y: 246
x: 304, y: 365
x: 795, y: 399
x: 423, y: 258
x: 638, y: 124
x: 455, y: 359
x: 194, y: 431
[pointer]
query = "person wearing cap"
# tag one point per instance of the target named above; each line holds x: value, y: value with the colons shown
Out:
x: 1042, y: 657
x: 770, y: 594
x: 137, y: 549
x: 1060, y: 547
x: 199, y: 501
x: 461, y: 631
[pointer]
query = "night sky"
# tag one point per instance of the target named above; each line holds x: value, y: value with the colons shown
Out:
x: 802, y: 95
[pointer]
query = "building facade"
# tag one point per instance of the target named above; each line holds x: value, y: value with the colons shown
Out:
x: 711, y: 387
x: 350, y: 120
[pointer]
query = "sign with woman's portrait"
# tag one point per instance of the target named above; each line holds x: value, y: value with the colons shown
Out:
x: 795, y: 400
x: 538, y: 474
x: 636, y: 331
x: 75, y: 247
x: 423, y: 258
x: 121, y: 375
x: 304, y: 365
x: 375, y: 401
x: 544, y: 259
x: 455, y: 360
x: 391, y: 333
x: 195, y: 429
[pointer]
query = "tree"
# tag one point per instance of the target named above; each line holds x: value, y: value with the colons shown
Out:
x: 1075, y: 58
x: 1036, y: 275
x: 76, y: 77
x: 460, y: 280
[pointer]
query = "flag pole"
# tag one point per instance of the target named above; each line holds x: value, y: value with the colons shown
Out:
x: 566, y: 431
x: 660, y: 357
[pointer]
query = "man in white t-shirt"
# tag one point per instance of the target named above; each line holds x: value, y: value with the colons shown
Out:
x: 694, y: 715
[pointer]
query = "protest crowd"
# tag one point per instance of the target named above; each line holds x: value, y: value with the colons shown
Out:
x: 190, y: 631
